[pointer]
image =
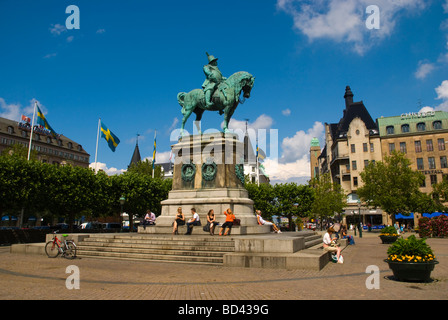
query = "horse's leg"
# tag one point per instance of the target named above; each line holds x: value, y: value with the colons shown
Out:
x: 187, y: 112
x: 199, y: 112
x: 228, y: 112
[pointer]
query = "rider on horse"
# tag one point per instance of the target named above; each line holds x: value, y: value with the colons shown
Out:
x: 213, y: 79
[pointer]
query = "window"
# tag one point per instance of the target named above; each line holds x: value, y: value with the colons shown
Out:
x: 429, y: 146
x: 437, y: 124
x: 354, y: 167
x: 403, y: 147
x: 441, y: 144
x: 405, y: 128
x: 366, y: 163
x: 420, y: 165
x: 352, y: 146
x: 391, y: 147
x: 24, y: 134
x: 433, y: 178
x: 372, y: 148
x: 48, y: 140
x: 421, y: 126
x: 390, y: 130
x: 432, y: 163
x: 60, y: 143
x: 10, y: 130
x: 70, y: 145
x: 418, y: 146
x: 355, y: 181
x: 364, y: 147
x: 443, y: 162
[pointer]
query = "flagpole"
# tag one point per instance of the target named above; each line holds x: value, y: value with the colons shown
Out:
x: 154, y: 154
x: 258, y: 169
x: 32, y: 131
x: 96, y: 150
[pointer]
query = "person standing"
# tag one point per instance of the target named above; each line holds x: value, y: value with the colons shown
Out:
x: 194, y: 221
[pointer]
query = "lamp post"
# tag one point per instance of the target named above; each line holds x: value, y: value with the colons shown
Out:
x: 122, y: 201
x: 359, y: 221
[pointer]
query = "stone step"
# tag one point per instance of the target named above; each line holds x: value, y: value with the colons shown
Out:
x: 194, y: 249
x: 152, y: 257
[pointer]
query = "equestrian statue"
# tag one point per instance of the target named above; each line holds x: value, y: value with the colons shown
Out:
x: 217, y: 94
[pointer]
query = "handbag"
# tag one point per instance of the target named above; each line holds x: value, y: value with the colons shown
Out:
x: 206, y: 228
x: 236, y: 222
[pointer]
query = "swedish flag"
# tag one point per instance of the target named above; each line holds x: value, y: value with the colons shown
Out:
x: 43, y: 122
x: 112, y: 140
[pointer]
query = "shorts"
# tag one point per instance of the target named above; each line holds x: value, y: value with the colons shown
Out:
x: 331, y: 249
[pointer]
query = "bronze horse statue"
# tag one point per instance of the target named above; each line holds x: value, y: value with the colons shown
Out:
x: 225, y: 99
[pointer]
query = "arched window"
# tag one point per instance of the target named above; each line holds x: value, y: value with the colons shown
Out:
x: 421, y: 126
x: 437, y: 124
x: 405, y: 128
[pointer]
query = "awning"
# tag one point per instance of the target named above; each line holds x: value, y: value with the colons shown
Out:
x: 434, y: 214
x: 7, y: 218
x: 402, y: 216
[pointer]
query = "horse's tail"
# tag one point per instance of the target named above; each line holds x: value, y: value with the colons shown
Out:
x: 180, y: 98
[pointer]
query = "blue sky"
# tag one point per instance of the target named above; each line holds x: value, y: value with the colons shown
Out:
x: 129, y: 59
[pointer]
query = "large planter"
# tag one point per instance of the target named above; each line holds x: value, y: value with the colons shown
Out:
x: 388, y: 239
x: 412, y: 271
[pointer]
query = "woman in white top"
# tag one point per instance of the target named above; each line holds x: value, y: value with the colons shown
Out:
x: 327, y: 243
x: 261, y: 221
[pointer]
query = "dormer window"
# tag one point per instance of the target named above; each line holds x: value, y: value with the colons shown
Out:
x: 405, y: 128
x: 437, y: 125
x: 10, y: 130
x: 421, y: 126
x: 70, y: 145
x: 390, y: 130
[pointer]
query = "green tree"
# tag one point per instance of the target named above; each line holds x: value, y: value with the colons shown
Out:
x: 329, y: 197
x: 263, y: 197
x: 145, y: 168
x: 293, y: 200
x: 392, y: 185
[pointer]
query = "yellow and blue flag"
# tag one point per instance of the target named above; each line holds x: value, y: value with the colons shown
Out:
x: 43, y: 122
x: 154, y: 152
x: 260, y: 153
x: 112, y: 140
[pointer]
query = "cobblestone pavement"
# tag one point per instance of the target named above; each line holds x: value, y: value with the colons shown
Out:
x: 38, y: 277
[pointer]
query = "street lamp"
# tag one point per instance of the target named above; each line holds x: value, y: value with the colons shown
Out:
x: 359, y: 221
x: 122, y: 201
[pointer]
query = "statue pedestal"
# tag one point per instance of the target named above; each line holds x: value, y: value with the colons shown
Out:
x: 208, y: 174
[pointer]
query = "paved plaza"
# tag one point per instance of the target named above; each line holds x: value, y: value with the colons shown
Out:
x: 38, y: 277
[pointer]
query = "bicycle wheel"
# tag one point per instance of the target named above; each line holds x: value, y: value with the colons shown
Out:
x: 51, y: 249
x: 70, y: 251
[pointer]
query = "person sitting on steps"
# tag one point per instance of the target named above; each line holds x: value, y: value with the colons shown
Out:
x: 230, y: 217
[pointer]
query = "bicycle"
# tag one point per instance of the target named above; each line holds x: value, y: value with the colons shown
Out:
x: 55, y: 247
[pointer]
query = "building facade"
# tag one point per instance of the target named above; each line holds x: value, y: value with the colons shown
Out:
x: 356, y: 140
x: 423, y: 138
x: 350, y: 145
x: 55, y: 150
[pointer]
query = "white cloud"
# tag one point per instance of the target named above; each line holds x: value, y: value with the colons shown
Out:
x: 286, y: 112
x: 109, y: 171
x: 424, y: 69
x: 442, y: 90
x: 100, y: 31
x: 262, y: 122
x: 70, y: 39
x: 343, y: 21
x: 294, y: 163
x: 57, y: 29
x: 161, y: 157
x: 445, y: 6
x: 50, y: 55
x: 14, y: 111
x: 299, y: 145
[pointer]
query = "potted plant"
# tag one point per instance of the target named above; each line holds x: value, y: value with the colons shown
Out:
x: 411, y: 259
x: 389, y: 235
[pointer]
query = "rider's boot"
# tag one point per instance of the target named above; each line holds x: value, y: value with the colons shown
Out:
x: 208, y: 99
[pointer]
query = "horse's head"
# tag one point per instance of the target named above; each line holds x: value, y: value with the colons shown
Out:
x: 247, y: 83
x: 242, y: 81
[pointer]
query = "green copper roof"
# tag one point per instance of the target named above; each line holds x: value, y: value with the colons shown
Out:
x: 412, y: 119
x: 315, y: 142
